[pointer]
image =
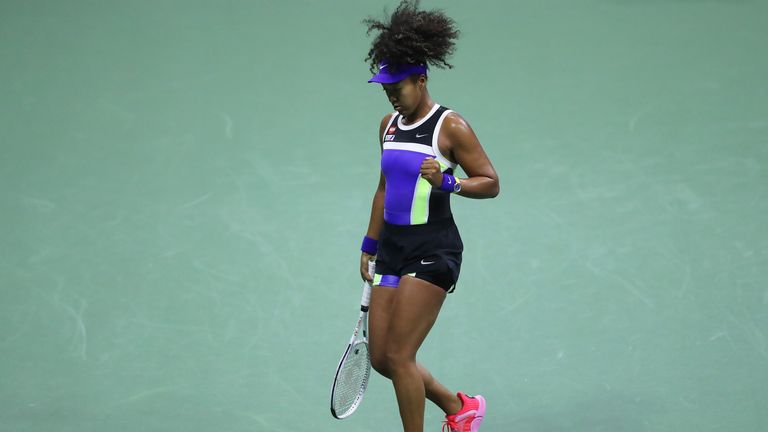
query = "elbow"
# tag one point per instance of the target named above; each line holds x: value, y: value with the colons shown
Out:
x: 495, y: 189
x: 482, y: 188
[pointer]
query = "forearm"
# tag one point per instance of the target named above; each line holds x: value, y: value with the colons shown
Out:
x: 479, y: 187
x: 376, y: 222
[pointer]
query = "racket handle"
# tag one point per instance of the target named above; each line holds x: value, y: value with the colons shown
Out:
x: 366, y: 300
x: 372, y: 268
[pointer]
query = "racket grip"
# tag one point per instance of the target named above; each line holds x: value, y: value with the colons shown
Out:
x: 366, y: 300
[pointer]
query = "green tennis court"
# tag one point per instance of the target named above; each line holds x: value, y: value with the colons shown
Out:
x: 184, y: 186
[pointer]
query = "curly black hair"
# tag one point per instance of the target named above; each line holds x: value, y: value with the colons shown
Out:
x: 412, y: 36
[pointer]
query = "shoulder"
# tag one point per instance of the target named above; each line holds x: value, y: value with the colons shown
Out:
x: 384, y: 123
x: 386, y: 119
x: 454, y: 125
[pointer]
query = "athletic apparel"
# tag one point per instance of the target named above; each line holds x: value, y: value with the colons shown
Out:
x: 431, y: 252
x: 410, y: 199
x: 469, y: 418
x: 390, y: 73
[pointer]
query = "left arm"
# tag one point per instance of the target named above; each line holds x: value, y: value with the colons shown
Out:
x: 460, y: 141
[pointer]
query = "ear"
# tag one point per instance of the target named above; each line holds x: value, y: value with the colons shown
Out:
x: 422, y: 81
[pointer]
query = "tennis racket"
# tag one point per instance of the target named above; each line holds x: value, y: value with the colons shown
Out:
x: 354, y: 369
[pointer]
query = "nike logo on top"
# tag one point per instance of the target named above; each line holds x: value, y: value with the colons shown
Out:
x: 421, y: 135
x: 427, y: 262
x: 465, y: 415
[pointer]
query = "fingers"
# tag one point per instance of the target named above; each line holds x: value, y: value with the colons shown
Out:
x: 429, y: 165
x: 431, y: 171
x: 364, y: 259
x: 364, y: 274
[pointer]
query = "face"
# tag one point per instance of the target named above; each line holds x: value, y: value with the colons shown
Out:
x: 406, y: 94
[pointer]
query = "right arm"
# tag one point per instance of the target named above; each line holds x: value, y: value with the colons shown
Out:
x: 376, y: 222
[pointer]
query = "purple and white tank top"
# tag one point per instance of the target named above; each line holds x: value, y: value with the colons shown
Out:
x: 410, y: 199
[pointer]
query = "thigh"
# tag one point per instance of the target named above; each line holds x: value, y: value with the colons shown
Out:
x: 379, y: 316
x: 415, y: 308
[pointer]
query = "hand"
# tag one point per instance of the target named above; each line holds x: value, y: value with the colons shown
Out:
x: 364, y: 259
x: 430, y: 171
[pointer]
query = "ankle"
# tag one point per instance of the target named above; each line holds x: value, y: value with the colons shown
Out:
x: 454, y: 406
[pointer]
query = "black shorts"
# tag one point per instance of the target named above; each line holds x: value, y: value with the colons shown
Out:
x: 431, y: 252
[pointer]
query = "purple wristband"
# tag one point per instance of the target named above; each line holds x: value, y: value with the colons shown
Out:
x: 448, y: 183
x: 370, y: 246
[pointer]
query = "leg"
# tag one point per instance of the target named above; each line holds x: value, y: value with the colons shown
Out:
x: 414, y: 311
x: 382, y: 300
x: 437, y: 393
x: 382, y: 303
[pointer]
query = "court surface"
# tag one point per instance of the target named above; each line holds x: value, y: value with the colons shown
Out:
x: 184, y: 187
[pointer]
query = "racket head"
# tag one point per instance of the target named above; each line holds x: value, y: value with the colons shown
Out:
x: 351, y: 380
x: 354, y: 368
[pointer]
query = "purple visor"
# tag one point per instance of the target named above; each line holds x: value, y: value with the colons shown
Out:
x: 387, y: 76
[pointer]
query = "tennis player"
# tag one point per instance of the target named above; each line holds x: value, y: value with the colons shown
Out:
x: 411, y: 233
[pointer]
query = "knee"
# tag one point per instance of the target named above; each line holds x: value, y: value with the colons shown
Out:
x: 397, y: 360
x: 379, y: 363
x: 388, y: 358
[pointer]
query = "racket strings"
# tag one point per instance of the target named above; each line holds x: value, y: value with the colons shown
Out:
x: 352, y: 380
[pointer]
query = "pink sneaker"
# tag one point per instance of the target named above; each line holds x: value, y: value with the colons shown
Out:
x: 469, y: 417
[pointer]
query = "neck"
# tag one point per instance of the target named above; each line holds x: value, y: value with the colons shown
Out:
x: 422, y: 110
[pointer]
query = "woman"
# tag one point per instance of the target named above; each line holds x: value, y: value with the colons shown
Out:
x: 411, y: 233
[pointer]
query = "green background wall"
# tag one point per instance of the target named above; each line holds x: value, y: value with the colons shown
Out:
x: 184, y: 186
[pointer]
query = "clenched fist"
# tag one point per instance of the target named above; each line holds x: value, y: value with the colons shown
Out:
x: 431, y: 172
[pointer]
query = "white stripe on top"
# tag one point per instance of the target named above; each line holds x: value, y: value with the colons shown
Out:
x: 435, y: 148
x: 414, y: 147
x: 418, y: 123
x: 391, y: 120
